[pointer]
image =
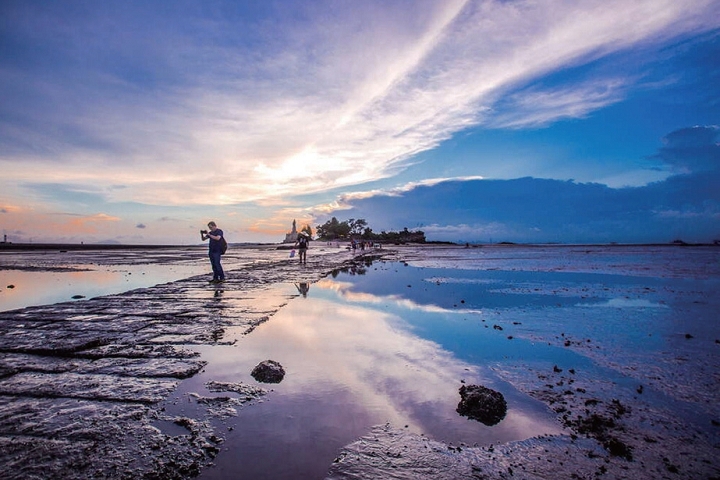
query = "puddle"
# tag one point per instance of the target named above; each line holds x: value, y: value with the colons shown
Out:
x: 351, y: 363
x: 171, y: 428
x: 31, y: 278
x: 49, y: 287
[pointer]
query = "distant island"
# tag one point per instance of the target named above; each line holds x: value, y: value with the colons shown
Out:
x: 358, y: 229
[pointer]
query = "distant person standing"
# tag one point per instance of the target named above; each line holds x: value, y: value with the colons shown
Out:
x: 215, y: 235
x: 302, y: 244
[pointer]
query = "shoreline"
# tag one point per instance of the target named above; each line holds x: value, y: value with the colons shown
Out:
x: 10, y: 246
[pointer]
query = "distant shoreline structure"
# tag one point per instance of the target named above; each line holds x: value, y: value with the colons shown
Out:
x: 293, y: 235
x: 111, y: 246
x: 9, y: 246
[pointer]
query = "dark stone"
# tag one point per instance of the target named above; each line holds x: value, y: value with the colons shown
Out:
x: 268, y: 371
x: 482, y: 404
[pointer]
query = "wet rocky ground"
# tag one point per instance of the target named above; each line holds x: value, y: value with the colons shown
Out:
x: 646, y: 405
x: 85, y: 389
x: 83, y: 384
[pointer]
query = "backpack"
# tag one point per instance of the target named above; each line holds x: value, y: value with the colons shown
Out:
x: 223, y: 245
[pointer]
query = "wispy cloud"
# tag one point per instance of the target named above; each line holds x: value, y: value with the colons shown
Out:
x: 266, y: 108
x: 536, y: 108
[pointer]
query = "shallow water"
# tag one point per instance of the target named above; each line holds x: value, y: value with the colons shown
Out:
x: 391, y: 342
x: 351, y: 364
x: 29, y: 278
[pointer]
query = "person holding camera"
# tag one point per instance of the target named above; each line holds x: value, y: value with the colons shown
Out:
x: 215, y: 236
x: 302, y: 244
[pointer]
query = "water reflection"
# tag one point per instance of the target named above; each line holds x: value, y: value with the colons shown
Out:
x: 303, y: 288
x: 46, y: 277
x: 47, y: 287
x: 349, y: 367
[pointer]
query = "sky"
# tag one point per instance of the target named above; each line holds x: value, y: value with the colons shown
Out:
x: 579, y: 121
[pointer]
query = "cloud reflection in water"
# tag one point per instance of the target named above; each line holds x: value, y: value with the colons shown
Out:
x: 333, y: 348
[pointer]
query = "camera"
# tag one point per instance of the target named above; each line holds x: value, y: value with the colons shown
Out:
x: 204, y: 232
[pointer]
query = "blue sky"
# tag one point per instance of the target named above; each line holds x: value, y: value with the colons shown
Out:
x: 549, y: 121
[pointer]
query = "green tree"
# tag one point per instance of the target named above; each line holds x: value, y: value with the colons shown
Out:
x: 357, y: 226
x: 333, y: 229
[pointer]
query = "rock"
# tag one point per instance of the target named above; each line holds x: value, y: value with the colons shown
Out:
x: 482, y: 404
x: 268, y: 371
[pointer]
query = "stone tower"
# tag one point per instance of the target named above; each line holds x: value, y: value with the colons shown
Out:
x: 292, y: 236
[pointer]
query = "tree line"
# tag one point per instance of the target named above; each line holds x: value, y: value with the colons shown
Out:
x: 359, y: 229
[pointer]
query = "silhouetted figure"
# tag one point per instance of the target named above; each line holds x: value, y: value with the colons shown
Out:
x: 303, y: 288
x: 215, y: 251
x: 302, y: 243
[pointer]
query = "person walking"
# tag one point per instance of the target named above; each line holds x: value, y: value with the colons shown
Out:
x: 215, y: 235
x: 302, y: 244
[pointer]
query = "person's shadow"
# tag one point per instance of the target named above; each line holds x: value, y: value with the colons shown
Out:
x: 303, y: 288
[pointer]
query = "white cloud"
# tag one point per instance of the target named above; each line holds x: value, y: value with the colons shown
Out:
x: 407, y: 187
x: 345, y: 98
x: 536, y: 108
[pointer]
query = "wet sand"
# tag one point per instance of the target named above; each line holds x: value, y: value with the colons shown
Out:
x: 89, y: 389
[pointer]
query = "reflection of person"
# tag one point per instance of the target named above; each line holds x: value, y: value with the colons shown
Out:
x: 215, y: 251
x: 303, y: 288
x: 302, y: 244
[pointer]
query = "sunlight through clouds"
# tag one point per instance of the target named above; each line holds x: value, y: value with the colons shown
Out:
x: 443, y: 70
x: 264, y: 105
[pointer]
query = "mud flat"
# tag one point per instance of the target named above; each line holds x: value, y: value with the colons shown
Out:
x: 84, y: 385
x: 89, y: 389
x: 638, y: 390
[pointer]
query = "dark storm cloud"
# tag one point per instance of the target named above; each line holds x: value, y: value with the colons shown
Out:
x: 693, y: 149
x: 686, y: 205
x: 540, y: 210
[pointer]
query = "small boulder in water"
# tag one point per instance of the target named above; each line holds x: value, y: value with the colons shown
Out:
x: 482, y: 404
x: 268, y: 371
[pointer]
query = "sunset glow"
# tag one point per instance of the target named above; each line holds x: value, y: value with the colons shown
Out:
x: 166, y: 115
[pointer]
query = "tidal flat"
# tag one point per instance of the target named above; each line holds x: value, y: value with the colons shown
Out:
x: 607, y: 357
